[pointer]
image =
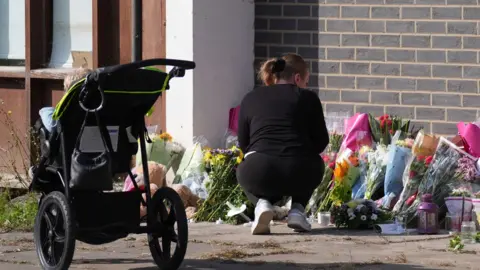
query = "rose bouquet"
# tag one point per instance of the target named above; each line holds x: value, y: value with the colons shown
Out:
x: 442, y: 176
x: 423, y: 149
x: 358, y: 214
x: 222, y: 186
x: 344, y: 175
x: 377, y: 166
x: 413, y: 175
x: 385, y: 127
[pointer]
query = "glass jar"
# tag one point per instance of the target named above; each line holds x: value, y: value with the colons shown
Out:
x: 468, y: 232
x: 324, y: 218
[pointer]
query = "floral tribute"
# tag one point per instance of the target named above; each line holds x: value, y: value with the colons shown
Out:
x: 358, y: 214
x: 222, y: 186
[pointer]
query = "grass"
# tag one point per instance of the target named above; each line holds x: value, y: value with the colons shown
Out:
x: 18, y: 216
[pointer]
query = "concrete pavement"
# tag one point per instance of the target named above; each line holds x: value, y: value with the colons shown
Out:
x: 232, y: 247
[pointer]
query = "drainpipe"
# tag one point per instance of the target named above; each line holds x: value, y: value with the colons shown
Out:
x: 136, y: 30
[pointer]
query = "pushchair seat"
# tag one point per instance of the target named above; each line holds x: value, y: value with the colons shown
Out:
x: 121, y: 96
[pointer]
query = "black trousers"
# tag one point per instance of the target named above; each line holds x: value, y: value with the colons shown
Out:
x: 272, y: 178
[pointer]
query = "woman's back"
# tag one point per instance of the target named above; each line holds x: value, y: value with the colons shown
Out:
x: 282, y: 120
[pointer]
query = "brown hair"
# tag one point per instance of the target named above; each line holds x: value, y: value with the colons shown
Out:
x: 284, y: 68
x: 75, y: 76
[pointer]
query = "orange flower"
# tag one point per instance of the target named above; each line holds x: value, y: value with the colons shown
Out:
x: 340, y: 170
x: 353, y: 160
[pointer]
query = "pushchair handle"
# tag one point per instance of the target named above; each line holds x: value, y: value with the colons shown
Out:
x: 150, y: 62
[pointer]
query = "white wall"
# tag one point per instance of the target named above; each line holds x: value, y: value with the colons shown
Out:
x: 219, y: 36
x: 72, y: 30
x: 12, y: 29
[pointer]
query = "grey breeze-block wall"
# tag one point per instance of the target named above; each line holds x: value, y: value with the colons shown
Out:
x: 414, y: 58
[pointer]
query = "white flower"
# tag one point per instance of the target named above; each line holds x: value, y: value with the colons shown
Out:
x: 374, y: 217
x: 352, y: 216
x: 350, y: 211
x: 363, y: 217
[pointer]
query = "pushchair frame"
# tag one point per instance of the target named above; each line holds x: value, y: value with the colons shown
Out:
x: 65, y: 215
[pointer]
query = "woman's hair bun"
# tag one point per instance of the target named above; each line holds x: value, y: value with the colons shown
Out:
x: 278, y: 65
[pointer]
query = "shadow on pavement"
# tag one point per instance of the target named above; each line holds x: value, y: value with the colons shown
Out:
x: 260, y: 265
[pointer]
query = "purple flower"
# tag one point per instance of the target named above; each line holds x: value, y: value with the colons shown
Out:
x: 466, y: 169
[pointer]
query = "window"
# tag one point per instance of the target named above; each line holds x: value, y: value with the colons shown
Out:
x: 72, y: 30
x: 12, y: 30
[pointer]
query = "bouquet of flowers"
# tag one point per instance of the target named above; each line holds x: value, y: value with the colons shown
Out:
x: 336, y: 140
x: 222, y: 186
x: 345, y: 174
x: 423, y: 149
x: 399, y: 152
x: 385, y: 127
x: 442, y: 176
x: 359, y: 188
x: 413, y: 175
x: 163, y: 150
x: 377, y: 166
x: 358, y: 214
x: 192, y: 172
x: 357, y: 133
x: 320, y: 193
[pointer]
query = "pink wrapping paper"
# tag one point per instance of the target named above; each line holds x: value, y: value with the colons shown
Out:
x: 357, y: 132
x: 233, y: 119
x: 470, y: 134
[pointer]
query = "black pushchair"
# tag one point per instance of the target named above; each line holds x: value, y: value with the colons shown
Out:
x: 90, y: 211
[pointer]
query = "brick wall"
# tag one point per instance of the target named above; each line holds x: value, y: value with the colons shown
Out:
x: 414, y: 58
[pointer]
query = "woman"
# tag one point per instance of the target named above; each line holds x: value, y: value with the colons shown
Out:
x: 282, y: 130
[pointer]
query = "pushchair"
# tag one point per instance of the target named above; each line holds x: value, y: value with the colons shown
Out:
x: 91, y: 211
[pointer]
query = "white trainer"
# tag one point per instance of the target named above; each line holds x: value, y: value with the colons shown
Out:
x: 263, y: 217
x: 297, y: 220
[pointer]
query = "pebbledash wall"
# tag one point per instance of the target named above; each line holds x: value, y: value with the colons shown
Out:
x: 414, y: 58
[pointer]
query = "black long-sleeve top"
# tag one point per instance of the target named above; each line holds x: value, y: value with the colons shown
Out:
x: 282, y: 120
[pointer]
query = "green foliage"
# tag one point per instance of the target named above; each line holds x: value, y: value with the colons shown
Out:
x: 19, y: 216
x: 456, y: 244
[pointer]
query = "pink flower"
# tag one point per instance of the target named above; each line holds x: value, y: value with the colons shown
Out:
x: 428, y: 160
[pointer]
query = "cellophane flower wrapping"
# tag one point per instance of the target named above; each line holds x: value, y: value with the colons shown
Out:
x: 222, y: 186
x: 358, y: 214
x: 377, y: 166
x: 163, y: 150
x: 320, y: 192
x: 441, y: 177
x: 470, y: 134
x: 423, y: 149
x: 191, y: 171
x: 399, y: 153
x: 357, y: 133
x: 360, y: 186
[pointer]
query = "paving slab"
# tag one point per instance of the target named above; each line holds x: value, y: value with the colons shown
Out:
x: 214, y: 246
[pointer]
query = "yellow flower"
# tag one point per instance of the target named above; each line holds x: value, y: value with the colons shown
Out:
x: 165, y: 136
x: 207, y: 156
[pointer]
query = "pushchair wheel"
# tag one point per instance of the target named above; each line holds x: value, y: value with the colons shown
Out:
x: 170, y: 214
x: 54, y: 232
